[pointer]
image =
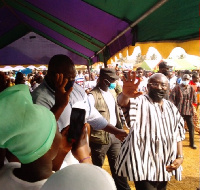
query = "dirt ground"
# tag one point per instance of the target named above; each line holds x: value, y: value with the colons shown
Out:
x: 191, y: 168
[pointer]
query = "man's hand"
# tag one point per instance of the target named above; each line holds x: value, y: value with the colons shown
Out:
x: 176, y: 163
x: 121, y: 135
x: 81, y: 149
x: 129, y: 86
x: 129, y: 90
x: 65, y: 145
x: 61, y: 96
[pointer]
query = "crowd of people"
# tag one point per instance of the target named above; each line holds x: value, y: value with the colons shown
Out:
x: 157, y: 108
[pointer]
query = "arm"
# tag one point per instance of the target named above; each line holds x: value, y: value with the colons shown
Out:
x: 80, y: 150
x: 123, y: 100
x: 172, y: 96
x: 64, y: 148
x: 119, y: 133
x: 179, y: 159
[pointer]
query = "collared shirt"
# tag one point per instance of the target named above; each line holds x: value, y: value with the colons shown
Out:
x: 183, y: 98
x: 45, y: 96
x: 151, y: 144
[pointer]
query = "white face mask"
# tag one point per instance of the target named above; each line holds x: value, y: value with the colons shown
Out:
x: 185, y: 82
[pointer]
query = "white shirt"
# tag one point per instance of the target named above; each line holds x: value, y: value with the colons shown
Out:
x: 109, y: 99
x: 172, y: 82
x: 142, y: 87
x: 90, y: 84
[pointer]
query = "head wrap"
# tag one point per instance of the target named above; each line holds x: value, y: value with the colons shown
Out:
x: 80, y: 176
x: 27, y: 130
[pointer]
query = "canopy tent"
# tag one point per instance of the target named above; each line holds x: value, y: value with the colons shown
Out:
x: 176, y: 64
x: 148, y: 65
x: 90, y: 31
x: 181, y: 64
x: 144, y: 65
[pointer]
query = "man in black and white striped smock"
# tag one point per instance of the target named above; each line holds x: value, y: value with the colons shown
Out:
x: 152, y: 152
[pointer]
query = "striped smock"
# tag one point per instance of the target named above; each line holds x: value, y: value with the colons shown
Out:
x: 152, y: 141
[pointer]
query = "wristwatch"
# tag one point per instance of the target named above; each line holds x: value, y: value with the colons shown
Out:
x: 180, y: 156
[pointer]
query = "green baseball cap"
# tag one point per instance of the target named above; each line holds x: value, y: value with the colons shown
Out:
x: 27, y: 130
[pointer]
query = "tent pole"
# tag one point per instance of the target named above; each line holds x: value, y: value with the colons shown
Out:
x: 156, y: 6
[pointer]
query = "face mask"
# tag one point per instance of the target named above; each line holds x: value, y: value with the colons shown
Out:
x: 186, y: 82
x: 112, y: 86
x: 69, y: 85
x: 156, y: 94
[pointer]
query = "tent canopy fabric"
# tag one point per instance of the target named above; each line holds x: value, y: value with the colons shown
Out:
x: 84, y: 29
x: 181, y: 64
x: 176, y: 64
x: 148, y: 65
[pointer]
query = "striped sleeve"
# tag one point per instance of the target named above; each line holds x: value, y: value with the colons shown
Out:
x: 133, y: 110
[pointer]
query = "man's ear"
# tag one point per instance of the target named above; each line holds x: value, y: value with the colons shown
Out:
x: 106, y: 82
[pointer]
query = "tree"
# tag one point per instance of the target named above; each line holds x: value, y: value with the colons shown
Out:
x: 182, y: 56
x: 140, y: 58
x: 122, y: 59
x: 153, y: 57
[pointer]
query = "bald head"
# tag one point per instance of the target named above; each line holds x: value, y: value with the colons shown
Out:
x: 158, y: 77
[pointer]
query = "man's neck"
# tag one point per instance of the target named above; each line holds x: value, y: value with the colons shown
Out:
x: 49, y: 82
x: 33, y: 172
